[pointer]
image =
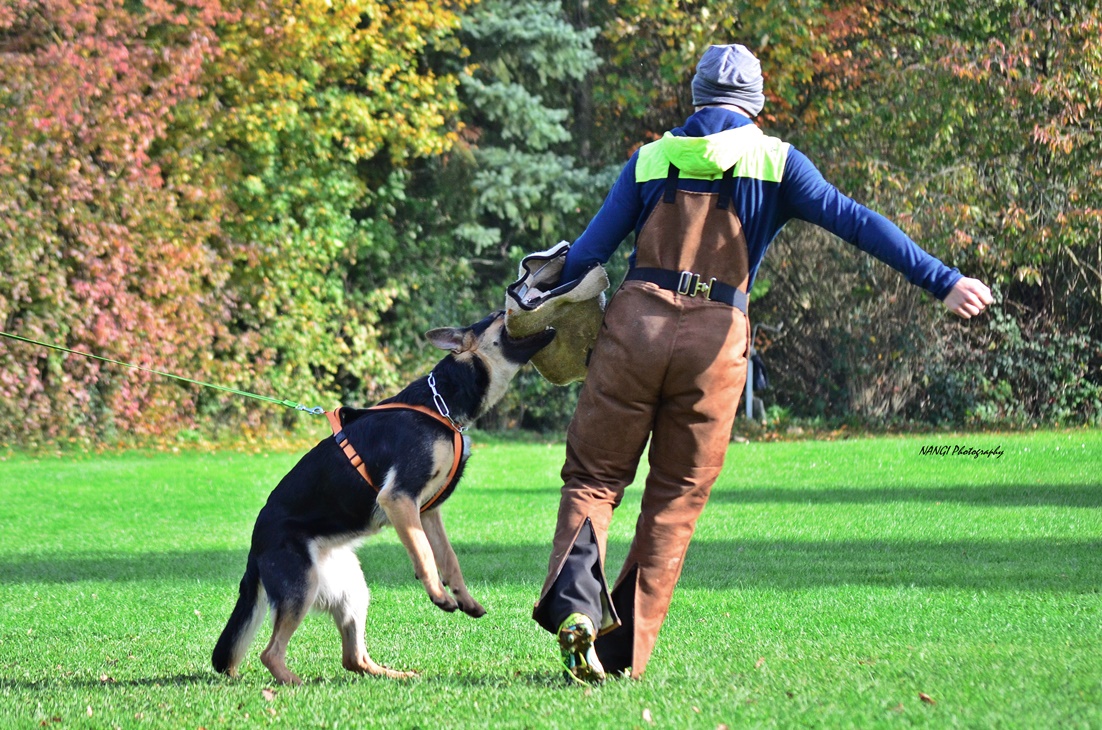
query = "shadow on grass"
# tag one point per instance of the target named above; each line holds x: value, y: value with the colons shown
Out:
x: 544, y: 680
x: 103, y: 566
x: 988, y: 495
x: 547, y: 679
x: 991, y: 495
x: 1053, y: 565
x: 176, y: 680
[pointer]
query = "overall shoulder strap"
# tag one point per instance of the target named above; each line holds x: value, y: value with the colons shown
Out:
x: 726, y: 188
x: 671, y: 184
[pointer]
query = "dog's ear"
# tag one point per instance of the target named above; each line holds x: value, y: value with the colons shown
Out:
x: 456, y: 339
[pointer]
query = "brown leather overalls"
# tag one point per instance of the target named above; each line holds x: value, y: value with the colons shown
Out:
x: 669, y: 366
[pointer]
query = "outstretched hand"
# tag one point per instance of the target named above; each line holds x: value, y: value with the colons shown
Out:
x: 967, y: 298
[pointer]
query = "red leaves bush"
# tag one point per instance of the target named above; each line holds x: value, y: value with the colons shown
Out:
x: 177, y: 188
x: 102, y: 244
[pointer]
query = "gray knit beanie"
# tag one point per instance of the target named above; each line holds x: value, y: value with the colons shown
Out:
x: 729, y: 75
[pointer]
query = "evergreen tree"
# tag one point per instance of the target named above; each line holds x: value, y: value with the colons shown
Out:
x: 529, y: 185
x: 516, y: 181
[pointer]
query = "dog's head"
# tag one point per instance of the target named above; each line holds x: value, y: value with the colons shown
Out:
x: 489, y: 353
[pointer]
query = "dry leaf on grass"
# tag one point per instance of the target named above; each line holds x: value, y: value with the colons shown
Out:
x: 268, y: 694
x: 926, y: 698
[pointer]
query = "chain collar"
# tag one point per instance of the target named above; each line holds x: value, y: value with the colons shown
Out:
x: 441, y: 405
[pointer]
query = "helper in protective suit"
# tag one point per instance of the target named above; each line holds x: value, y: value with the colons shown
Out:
x: 669, y: 363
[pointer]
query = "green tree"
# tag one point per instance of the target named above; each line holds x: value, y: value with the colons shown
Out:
x: 976, y: 123
x: 515, y: 181
x: 978, y: 118
x: 325, y: 106
x: 196, y: 187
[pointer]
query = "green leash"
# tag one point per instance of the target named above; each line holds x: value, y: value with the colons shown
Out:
x: 316, y: 410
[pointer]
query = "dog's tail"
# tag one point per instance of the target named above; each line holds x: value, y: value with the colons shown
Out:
x: 246, y: 618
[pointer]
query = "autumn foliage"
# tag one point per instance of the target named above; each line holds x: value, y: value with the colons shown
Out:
x: 279, y: 195
x: 107, y: 225
x: 177, y: 183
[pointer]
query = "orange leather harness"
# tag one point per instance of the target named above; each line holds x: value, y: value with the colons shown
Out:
x: 358, y: 463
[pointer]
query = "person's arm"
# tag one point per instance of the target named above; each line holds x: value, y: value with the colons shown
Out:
x: 808, y: 196
x: 608, y: 229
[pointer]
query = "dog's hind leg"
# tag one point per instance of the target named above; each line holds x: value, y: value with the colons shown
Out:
x: 448, y: 563
x: 290, y: 578
x: 404, y: 516
x: 343, y: 592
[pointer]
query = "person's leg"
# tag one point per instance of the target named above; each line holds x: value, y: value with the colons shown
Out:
x: 690, y: 440
x: 605, y: 440
x: 672, y: 501
x: 575, y: 579
x: 611, y: 425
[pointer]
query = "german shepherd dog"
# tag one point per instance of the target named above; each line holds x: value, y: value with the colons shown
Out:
x: 304, y: 541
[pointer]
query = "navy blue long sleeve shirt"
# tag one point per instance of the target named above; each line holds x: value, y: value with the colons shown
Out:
x: 764, y: 206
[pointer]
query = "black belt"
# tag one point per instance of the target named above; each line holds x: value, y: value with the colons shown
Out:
x: 690, y: 284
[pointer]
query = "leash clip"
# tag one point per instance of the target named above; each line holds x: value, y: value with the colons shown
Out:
x: 316, y: 410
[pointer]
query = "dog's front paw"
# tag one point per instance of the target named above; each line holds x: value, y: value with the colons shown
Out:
x: 473, y: 609
x: 467, y: 603
x: 445, y: 603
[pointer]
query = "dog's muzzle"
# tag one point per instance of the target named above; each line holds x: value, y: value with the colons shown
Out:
x: 524, y: 349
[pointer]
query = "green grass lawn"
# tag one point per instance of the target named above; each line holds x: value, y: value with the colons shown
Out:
x: 830, y: 584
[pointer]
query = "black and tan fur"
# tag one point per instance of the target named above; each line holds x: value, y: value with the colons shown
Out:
x: 303, y: 543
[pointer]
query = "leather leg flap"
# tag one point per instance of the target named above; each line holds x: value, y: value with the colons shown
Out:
x: 576, y: 579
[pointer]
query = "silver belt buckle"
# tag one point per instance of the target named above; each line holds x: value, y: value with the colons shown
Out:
x: 690, y: 285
